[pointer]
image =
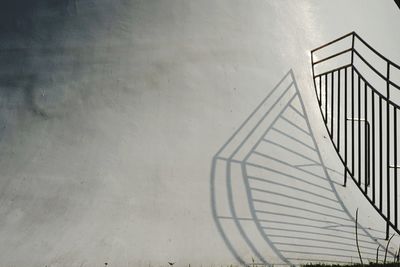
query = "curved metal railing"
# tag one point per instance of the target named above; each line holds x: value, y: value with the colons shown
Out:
x: 397, y: 3
x: 358, y: 94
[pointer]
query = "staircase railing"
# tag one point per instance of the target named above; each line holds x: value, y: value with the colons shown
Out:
x: 358, y: 94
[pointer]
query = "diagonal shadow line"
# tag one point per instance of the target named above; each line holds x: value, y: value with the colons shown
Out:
x: 323, y: 254
x: 294, y: 216
x: 354, y: 250
x: 317, y: 164
x: 298, y: 112
x: 294, y: 125
x: 325, y: 247
x: 310, y: 226
x: 334, y: 171
x: 297, y: 167
x: 287, y: 223
x: 315, y: 233
x: 290, y: 150
x: 319, y: 240
x: 334, y: 260
x: 307, y: 165
x: 315, y: 227
x: 291, y: 187
x: 289, y: 165
x: 303, y: 225
x: 294, y: 139
x: 244, y: 164
x: 352, y: 226
x: 294, y: 198
x: 288, y: 175
x: 298, y: 208
x: 291, y: 216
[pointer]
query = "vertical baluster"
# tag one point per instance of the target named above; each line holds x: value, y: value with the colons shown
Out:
x: 373, y: 144
x: 326, y: 98
x: 359, y: 130
x: 380, y: 154
x: 352, y: 104
x: 338, y: 114
x: 388, y: 148
x: 332, y: 101
x: 320, y: 90
x: 352, y: 122
x: 366, y: 165
x: 395, y: 163
x: 345, y: 126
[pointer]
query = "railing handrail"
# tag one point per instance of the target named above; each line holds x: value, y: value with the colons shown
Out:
x: 332, y: 42
x: 376, y: 52
x: 353, y: 49
x: 363, y: 41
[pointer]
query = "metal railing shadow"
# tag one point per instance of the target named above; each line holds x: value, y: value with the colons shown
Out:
x: 272, y: 197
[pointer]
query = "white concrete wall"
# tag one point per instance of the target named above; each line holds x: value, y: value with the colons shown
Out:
x: 112, y: 113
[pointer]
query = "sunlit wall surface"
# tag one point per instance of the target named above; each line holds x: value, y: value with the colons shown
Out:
x: 112, y: 113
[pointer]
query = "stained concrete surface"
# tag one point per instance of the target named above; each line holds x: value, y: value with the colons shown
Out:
x: 112, y: 112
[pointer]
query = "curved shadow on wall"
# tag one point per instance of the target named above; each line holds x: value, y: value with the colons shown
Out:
x: 272, y: 196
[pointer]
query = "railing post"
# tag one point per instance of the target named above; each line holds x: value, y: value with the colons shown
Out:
x: 313, y: 74
x: 395, y: 164
x: 352, y: 85
x: 345, y: 127
x: 388, y: 148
